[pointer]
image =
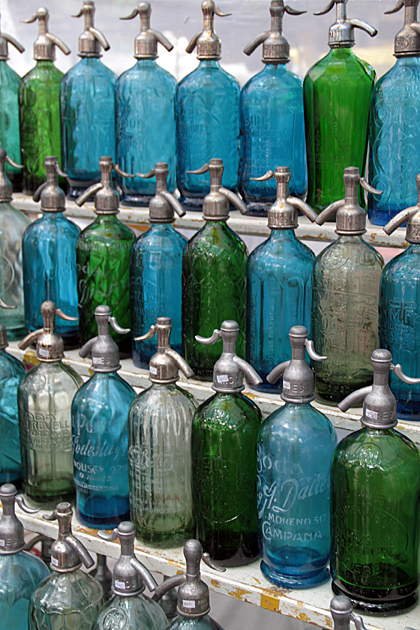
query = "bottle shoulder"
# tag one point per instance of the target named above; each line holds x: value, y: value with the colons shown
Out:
x: 48, y: 226
x: 158, y: 400
x: 340, y: 64
x: 11, y: 219
x: 68, y: 593
x: 163, y: 240
x: 133, y: 612
x: 105, y: 229
x: 32, y: 569
x: 228, y: 412
x: 281, y: 252
x: 216, y: 236
x: 279, y: 78
x: 48, y: 376
x: 10, y: 366
x: 299, y: 423
x: 405, y: 267
x: 87, y: 70
x: 204, y: 623
x: 213, y: 77
x: 44, y: 75
x: 135, y: 77
x: 349, y: 254
x: 105, y: 386
x: 8, y: 77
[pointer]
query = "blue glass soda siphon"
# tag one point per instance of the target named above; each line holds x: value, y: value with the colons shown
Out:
x: 145, y: 110
x: 279, y: 283
x: 156, y: 270
x: 99, y: 427
x: 20, y: 571
x: 49, y: 258
x: 295, y: 448
x: 272, y: 118
x: 207, y: 114
x: 394, y: 136
x: 87, y: 108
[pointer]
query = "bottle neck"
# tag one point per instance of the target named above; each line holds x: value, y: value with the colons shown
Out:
x: 143, y: 64
x: 283, y: 235
x: 209, y: 63
x: 44, y: 64
x: 160, y: 227
x: 413, y: 248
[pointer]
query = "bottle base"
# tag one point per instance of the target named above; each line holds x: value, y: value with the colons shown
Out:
x: 295, y: 582
x: 388, y: 601
x: 193, y: 203
x: 408, y: 410
x: 42, y: 498
x: 102, y: 523
x: 136, y: 200
x: 258, y: 208
x: 382, y: 217
x: 163, y: 539
x: 276, y: 388
x: 77, y: 188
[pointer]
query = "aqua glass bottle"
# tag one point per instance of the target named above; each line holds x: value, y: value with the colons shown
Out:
x: 375, y: 496
x: 207, y: 115
x: 99, y: 427
x: 278, y: 283
x: 213, y: 276
x: 159, y: 448
x: 87, y: 109
x: 224, y: 458
x: 394, y: 125
x: 69, y: 597
x: 145, y: 113
x: 13, y: 224
x: 39, y: 105
x: 337, y: 92
x: 345, y: 298
x: 49, y: 259
x: 156, y: 269
x: 295, y: 448
x: 20, y: 571
x: 272, y: 118
x: 103, y: 260
x: 44, y: 399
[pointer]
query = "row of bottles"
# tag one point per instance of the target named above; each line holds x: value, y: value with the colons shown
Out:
x: 144, y: 117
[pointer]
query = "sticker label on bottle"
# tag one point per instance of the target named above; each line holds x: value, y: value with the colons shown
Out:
x: 286, y: 385
x: 222, y: 378
x: 54, y: 561
x: 188, y: 603
x: 152, y: 370
x: 2, y: 542
x: 120, y: 585
x: 43, y: 353
x: 374, y: 415
x: 97, y: 360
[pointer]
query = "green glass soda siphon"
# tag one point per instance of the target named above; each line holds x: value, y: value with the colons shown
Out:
x: 213, y: 276
x: 103, y: 260
x: 375, y: 496
x: 39, y: 105
x: 224, y: 454
x: 337, y: 91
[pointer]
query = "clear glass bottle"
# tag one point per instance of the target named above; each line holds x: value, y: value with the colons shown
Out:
x: 13, y: 224
x: 213, y: 276
x: 346, y: 298
x: 337, y: 92
x: 159, y: 448
x: 99, y: 426
x: 49, y: 258
x: 375, y: 494
x: 39, y: 105
x: 224, y: 458
x: 394, y: 124
x: 207, y: 115
x: 87, y: 108
x: 156, y: 270
x: 278, y: 283
x: 272, y: 119
x: 68, y: 598
x: 103, y: 260
x: 145, y: 110
x: 20, y: 571
x: 44, y: 399
x: 295, y: 449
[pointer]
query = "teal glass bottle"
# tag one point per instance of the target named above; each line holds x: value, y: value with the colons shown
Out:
x: 272, y: 118
x: 213, y: 276
x: 39, y: 105
x: 224, y: 458
x: 103, y: 260
x: 337, y: 92
x: 295, y: 448
x: 375, y: 495
x: 207, y: 115
x: 145, y: 104
x: 20, y: 571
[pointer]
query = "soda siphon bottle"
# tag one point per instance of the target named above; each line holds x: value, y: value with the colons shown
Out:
x: 272, y: 118
x: 68, y: 598
x: 337, y: 92
x: 145, y: 102
x: 345, y: 298
x: 394, y: 124
x: 39, y: 105
x: 279, y: 282
x: 20, y: 571
x: 224, y: 455
x: 128, y: 608
x: 103, y: 260
x: 375, y: 494
x: 102, y: 574
x: 213, y: 276
x: 156, y: 269
x: 13, y: 224
x: 49, y: 258
x: 207, y: 113
x: 342, y: 613
x: 295, y: 448
x: 87, y: 108
x: 159, y: 448
x: 9, y: 108
x: 99, y: 426
x: 44, y: 399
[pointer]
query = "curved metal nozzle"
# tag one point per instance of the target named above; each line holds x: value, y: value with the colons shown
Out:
x: 310, y: 349
x: 6, y: 306
x: 275, y: 374
x: 354, y: 398
x: 152, y: 332
x: 207, y: 341
x: 397, y: 369
x: 398, y: 7
x: 20, y: 500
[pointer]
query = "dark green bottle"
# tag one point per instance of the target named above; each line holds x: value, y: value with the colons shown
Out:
x: 213, y: 276
x: 224, y: 455
x: 375, y: 496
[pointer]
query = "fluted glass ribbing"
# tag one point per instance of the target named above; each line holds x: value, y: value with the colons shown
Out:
x: 11, y: 373
x: 9, y: 119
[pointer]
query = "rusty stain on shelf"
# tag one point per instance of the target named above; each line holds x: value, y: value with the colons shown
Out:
x: 270, y: 603
x: 238, y: 593
x: 215, y: 583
